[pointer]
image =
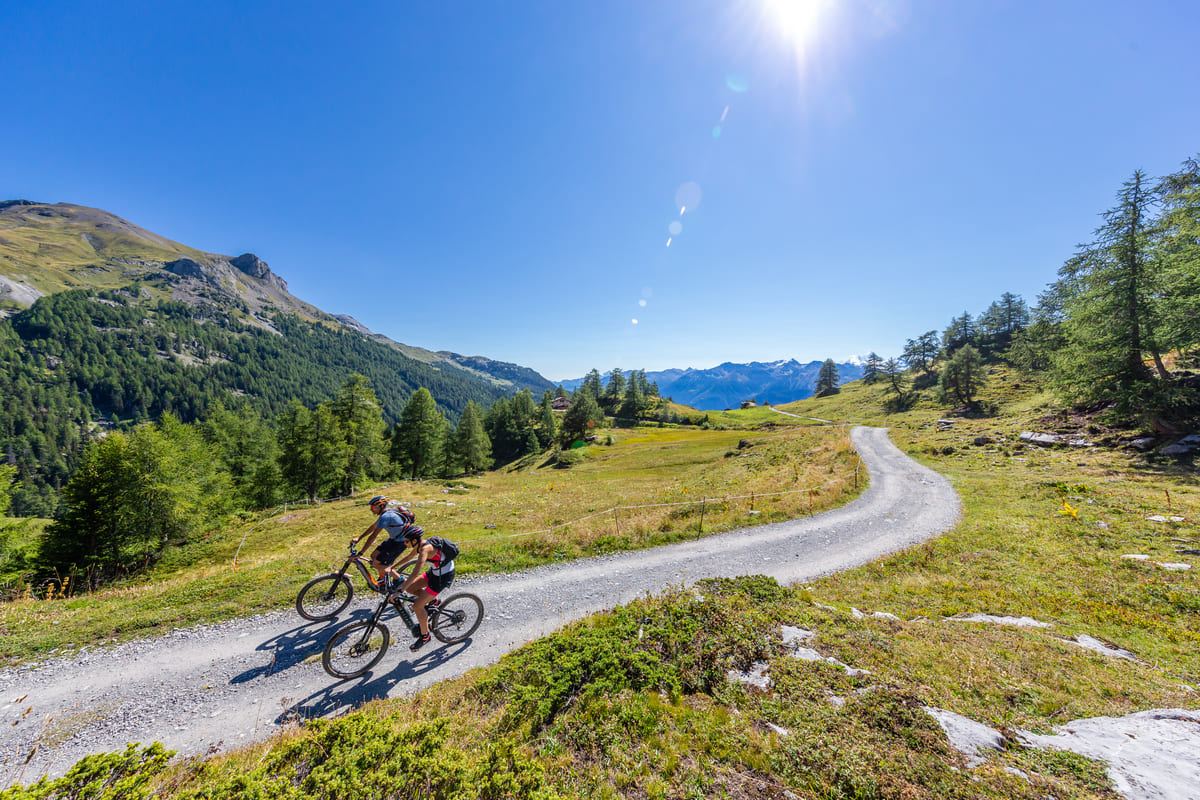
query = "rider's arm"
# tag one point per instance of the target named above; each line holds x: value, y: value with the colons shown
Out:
x: 416, y: 573
x: 373, y: 530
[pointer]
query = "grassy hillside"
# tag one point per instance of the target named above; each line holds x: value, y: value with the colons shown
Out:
x: 58, y: 247
x: 657, y: 476
x: 636, y: 702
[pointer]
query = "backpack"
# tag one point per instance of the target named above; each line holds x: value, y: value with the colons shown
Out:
x: 447, y: 548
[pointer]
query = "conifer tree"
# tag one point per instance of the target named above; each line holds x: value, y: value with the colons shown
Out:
x: 827, y: 378
x: 592, y: 383
x: 417, y: 442
x: 1110, y: 290
x: 583, y: 415
x: 546, y: 427
x: 963, y: 376
x: 472, y: 449
x: 871, y: 368
x: 358, y: 413
x: 922, y: 352
x: 1178, y: 234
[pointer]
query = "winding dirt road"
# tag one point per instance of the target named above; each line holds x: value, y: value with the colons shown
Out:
x: 227, y: 684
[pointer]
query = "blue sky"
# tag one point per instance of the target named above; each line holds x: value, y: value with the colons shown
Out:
x: 502, y: 179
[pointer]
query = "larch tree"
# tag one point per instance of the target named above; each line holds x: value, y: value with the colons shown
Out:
x: 1110, y: 290
x: 827, y: 378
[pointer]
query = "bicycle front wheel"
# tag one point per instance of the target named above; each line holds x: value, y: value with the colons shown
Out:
x: 324, y: 597
x: 456, y: 617
x: 355, y: 648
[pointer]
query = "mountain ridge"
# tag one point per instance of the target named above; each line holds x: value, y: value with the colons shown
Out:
x: 47, y: 248
x: 728, y: 384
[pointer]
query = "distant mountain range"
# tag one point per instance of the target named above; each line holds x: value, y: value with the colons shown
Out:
x: 728, y: 385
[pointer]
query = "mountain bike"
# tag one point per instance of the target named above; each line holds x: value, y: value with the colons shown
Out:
x: 327, y: 596
x: 355, y: 648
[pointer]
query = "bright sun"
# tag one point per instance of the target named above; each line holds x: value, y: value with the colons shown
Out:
x: 796, y: 21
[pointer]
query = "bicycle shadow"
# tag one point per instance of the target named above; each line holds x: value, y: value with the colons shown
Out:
x: 347, y: 695
x: 296, y: 646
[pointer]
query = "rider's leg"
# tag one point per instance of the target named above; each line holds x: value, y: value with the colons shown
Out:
x: 423, y: 595
x: 379, y: 567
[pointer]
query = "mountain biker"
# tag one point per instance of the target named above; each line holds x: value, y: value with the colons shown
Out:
x: 396, y: 521
x: 425, y: 586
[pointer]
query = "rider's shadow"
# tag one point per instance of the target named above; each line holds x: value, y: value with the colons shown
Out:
x: 349, y: 694
x: 296, y: 646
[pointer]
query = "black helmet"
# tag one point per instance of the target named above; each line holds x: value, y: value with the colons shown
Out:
x: 378, y: 504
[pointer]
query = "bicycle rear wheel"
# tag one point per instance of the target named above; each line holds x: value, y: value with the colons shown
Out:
x: 355, y: 648
x: 324, y: 597
x: 456, y: 617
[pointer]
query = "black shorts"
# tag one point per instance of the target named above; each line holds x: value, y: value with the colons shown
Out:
x: 439, y: 583
x: 386, y: 553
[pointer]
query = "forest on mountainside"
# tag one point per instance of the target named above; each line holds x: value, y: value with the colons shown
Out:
x: 82, y: 361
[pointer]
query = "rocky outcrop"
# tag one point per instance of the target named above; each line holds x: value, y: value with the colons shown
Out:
x: 189, y: 268
x: 255, y: 267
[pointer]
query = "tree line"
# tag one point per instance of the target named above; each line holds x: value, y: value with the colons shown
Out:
x: 139, y: 490
x: 81, y: 361
x: 1101, y: 332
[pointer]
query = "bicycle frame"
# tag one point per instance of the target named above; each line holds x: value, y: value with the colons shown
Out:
x: 364, y: 568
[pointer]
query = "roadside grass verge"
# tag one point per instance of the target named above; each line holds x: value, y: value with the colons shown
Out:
x: 683, y: 483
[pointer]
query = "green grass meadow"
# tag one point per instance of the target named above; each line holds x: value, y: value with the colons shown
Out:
x: 636, y: 703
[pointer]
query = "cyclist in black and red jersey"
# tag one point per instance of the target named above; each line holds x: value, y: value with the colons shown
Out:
x: 426, y: 585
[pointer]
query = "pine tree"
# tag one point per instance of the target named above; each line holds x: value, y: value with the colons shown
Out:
x: 920, y: 353
x: 894, y: 373
x: 591, y: 382
x: 614, y: 391
x: 417, y: 443
x: 1110, y: 291
x: 827, y: 378
x: 963, y: 376
x: 871, y: 368
x: 546, y: 427
x: 358, y: 413
x: 581, y: 418
x: 1178, y: 235
x: 960, y: 331
x: 472, y: 450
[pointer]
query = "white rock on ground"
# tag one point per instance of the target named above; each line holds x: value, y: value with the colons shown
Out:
x: 1151, y: 755
x: 1091, y: 643
x: 794, y: 637
x: 1020, y: 622
x: 756, y: 676
x: 966, y: 735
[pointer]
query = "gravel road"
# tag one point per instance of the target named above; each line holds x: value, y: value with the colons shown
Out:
x: 228, y: 684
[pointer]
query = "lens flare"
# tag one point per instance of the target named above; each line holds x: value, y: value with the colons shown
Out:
x: 688, y: 195
x: 675, y: 228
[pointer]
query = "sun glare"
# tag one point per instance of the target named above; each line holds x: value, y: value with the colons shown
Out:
x: 798, y: 22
